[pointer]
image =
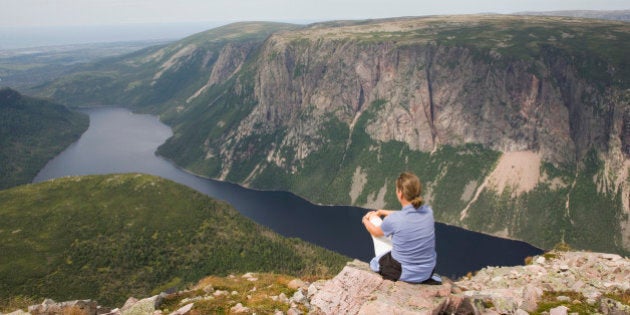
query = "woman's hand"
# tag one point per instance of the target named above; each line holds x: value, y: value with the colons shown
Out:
x: 374, y: 230
x: 368, y: 216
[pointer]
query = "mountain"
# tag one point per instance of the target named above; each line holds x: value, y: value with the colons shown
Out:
x: 519, y: 126
x: 619, y: 15
x: 33, y: 131
x: 109, y: 237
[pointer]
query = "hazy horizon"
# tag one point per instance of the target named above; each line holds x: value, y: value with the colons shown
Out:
x: 29, y: 29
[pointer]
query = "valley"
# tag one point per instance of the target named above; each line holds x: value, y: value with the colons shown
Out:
x: 306, y: 108
x: 518, y: 126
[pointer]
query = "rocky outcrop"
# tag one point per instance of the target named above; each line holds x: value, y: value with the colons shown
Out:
x: 591, y: 276
x: 358, y: 290
x: 588, y: 278
x: 557, y: 282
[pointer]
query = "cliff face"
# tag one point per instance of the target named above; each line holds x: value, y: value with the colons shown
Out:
x: 439, y: 93
x: 518, y: 126
x: 425, y: 83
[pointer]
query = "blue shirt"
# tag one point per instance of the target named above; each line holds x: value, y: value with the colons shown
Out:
x: 413, y: 241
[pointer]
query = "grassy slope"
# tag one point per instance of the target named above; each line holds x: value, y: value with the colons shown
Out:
x: 110, y: 237
x: 32, y: 131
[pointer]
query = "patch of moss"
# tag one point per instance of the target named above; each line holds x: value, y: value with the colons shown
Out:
x: 621, y: 296
x: 576, y: 304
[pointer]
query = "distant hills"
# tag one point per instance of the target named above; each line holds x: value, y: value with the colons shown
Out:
x: 115, y: 236
x: 618, y: 15
x: 518, y: 125
x: 32, y: 131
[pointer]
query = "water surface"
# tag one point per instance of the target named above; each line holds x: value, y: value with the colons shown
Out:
x: 119, y: 141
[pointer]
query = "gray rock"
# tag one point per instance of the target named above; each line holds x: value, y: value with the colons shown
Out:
x: 531, y: 296
x: 357, y: 291
x: 129, y: 303
x: 183, y: 310
x: 612, y: 257
x: 560, y: 310
x: 239, y: 308
x: 49, y: 306
x: 282, y: 298
x: 294, y: 311
x: 610, y: 306
x: 115, y: 311
x: 144, y: 306
x: 298, y: 297
x: 19, y: 312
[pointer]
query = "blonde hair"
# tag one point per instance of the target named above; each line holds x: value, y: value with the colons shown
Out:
x: 410, y: 187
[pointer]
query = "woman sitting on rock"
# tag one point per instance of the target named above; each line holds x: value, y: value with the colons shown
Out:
x: 404, y: 241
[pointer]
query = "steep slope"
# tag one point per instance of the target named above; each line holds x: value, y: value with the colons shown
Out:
x: 109, y: 237
x: 519, y: 126
x: 32, y: 131
x: 164, y: 75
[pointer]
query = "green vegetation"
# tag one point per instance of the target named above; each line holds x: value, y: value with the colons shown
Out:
x: 159, y: 78
x: 594, y: 211
x: 579, y: 62
x: 587, y: 42
x: 333, y: 165
x: 541, y: 217
x: 577, y: 303
x: 256, y: 295
x: 32, y: 131
x: 111, y: 237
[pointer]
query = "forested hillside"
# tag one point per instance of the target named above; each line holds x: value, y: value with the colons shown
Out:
x: 111, y: 237
x: 32, y: 131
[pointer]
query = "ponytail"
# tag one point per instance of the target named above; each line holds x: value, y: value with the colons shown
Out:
x: 417, y: 202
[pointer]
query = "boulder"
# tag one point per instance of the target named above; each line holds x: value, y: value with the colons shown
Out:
x: 142, y: 307
x: 358, y: 290
x: 49, y: 307
x: 183, y: 310
x: 239, y: 309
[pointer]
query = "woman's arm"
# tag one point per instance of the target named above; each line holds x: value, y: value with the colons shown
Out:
x: 373, y: 229
x: 383, y: 213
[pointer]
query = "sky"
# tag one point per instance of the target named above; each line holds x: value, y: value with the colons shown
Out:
x: 37, y: 23
x: 42, y: 13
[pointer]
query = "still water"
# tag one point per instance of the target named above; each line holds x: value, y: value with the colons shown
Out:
x: 119, y: 141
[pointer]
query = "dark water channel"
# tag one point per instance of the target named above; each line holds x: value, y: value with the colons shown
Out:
x: 119, y: 141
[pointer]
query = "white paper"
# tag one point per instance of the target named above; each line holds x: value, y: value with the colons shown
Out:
x: 382, y: 244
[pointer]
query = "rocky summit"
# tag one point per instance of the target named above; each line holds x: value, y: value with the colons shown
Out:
x: 556, y: 282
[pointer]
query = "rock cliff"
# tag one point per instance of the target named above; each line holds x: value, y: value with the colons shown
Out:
x: 363, y: 98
